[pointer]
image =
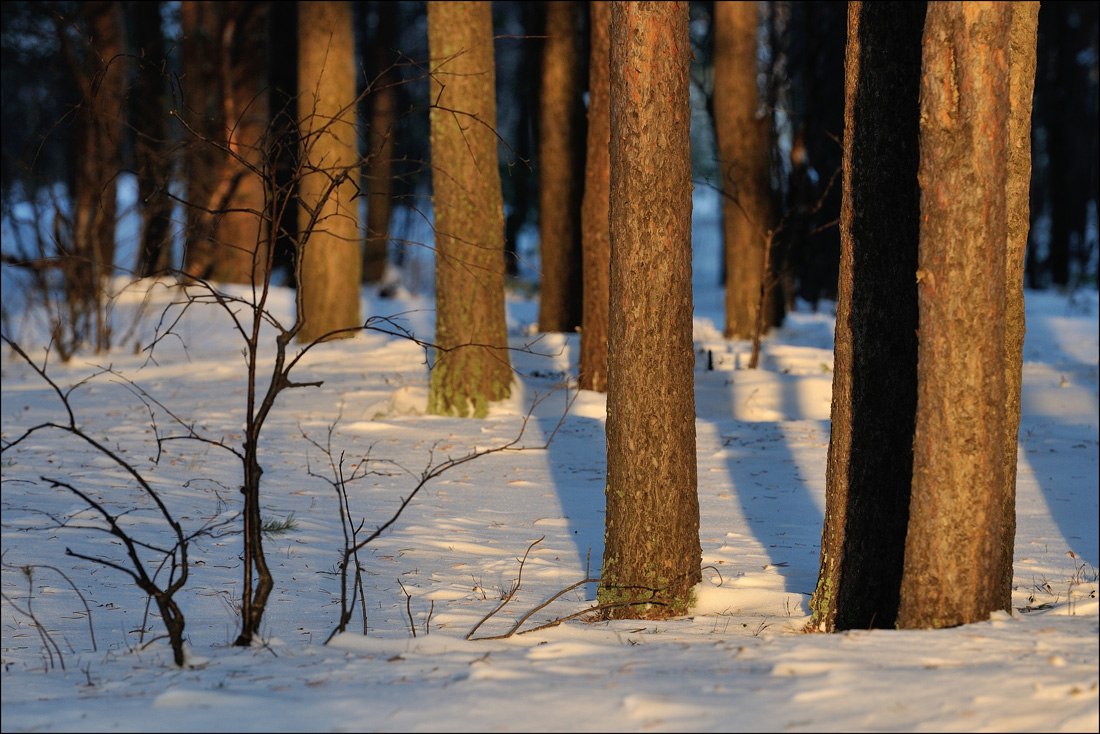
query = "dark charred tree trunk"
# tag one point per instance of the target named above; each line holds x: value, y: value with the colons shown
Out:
x: 472, y: 367
x: 870, y: 461
x: 652, y: 559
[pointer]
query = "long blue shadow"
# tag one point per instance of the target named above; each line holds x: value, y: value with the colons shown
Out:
x: 775, y: 500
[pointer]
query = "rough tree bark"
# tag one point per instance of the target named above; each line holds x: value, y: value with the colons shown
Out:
x: 652, y: 559
x: 962, y: 506
x: 472, y: 369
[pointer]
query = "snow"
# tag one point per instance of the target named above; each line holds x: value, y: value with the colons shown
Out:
x: 740, y: 662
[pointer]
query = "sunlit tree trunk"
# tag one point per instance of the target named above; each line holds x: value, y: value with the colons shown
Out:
x: 328, y: 217
x: 595, y: 231
x: 1023, y: 40
x: 652, y: 558
x: 744, y: 145
x: 870, y: 462
x: 224, y: 90
x: 962, y: 507
x: 472, y: 367
x: 561, y: 130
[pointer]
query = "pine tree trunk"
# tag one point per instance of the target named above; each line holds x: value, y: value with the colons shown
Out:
x: 225, y: 95
x: 652, y: 558
x: 561, y: 130
x: 1023, y: 40
x: 595, y: 232
x: 745, y: 167
x: 870, y: 463
x: 383, y: 122
x: 149, y: 114
x: 328, y: 217
x: 97, y: 139
x: 961, y: 509
x: 472, y: 367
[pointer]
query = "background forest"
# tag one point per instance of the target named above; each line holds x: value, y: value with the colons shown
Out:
x: 545, y: 355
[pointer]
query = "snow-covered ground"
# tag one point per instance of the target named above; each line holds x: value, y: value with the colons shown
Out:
x: 740, y: 662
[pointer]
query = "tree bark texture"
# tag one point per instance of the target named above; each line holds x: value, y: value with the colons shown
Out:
x: 382, y: 101
x: 595, y: 229
x: 960, y: 508
x: 472, y: 367
x: 870, y: 462
x: 328, y: 217
x: 561, y: 162
x: 653, y: 557
x: 1023, y: 42
x: 744, y: 145
x: 225, y: 92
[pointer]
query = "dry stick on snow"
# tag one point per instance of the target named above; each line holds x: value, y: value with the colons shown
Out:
x: 515, y: 628
x: 174, y: 556
x: 28, y: 571
x: 353, y: 545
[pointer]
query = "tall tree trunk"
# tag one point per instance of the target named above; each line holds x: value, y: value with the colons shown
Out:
x: 561, y: 130
x: 744, y: 146
x: 328, y: 219
x: 1023, y: 41
x: 382, y: 101
x: 225, y: 93
x: 652, y: 559
x: 99, y: 69
x: 961, y: 507
x: 870, y: 463
x: 595, y: 229
x: 533, y: 15
x: 149, y: 114
x: 472, y: 367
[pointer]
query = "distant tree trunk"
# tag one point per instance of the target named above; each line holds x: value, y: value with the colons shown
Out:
x: 99, y: 70
x: 595, y: 229
x: 961, y: 506
x: 870, y: 463
x: 472, y: 369
x: 652, y: 559
x: 225, y: 86
x: 824, y: 135
x: 561, y: 130
x: 328, y: 219
x: 382, y: 102
x: 744, y: 145
x: 533, y: 15
x: 152, y: 161
x: 1068, y: 120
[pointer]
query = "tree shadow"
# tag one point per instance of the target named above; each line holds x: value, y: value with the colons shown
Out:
x: 758, y: 417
